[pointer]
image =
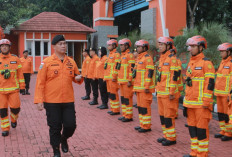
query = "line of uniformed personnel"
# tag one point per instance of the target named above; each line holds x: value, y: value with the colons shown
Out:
x: 129, y: 74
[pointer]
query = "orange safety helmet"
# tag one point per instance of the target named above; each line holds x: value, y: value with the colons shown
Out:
x: 197, y: 40
x: 5, y: 42
x: 174, y: 49
x: 225, y: 47
x: 142, y: 43
x: 166, y: 40
x: 125, y: 41
x: 112, y: 42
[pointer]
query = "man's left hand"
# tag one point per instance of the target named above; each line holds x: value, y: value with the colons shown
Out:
x: 78, y: 78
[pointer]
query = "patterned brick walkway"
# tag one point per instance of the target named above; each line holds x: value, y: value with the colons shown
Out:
x: 99, y: 134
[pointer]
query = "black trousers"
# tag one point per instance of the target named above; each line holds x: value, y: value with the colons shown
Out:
x: 60, y: 116
x: 103, y: 91
x: 87, y: 86
x: 94, y: 85
x: 27, y: 78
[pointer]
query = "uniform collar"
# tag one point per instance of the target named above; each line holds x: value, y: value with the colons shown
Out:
x: 227, y: 59
x: 197, y: 57
x: 56, y: 58
x: 126, y: 52
x: 5, y: 56
x: 113, y: 51
x: 95, y: 56
x: 142, y: 54
x: 164, y: 56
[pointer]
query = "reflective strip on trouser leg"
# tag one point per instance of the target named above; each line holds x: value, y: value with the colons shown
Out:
x: 140, y: 116
x: 228, y: 131
x: 128, y: 100
x: 5, y: 124
x: 170, y: 129
x: 14, y: 112
x: 115, y: 105
x: 123, y: 105
x: 123, y: 110
x: 194, y: 141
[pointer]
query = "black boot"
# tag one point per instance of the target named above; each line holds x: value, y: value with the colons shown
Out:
x: 168, y: 143
x: 5, y: 133
x: 121, y: 118
x: 94, y: 102
x: 141, y: 130
x: 104, y: 106
x: 56, y: 151
x: 218, y: 135
x: 127, y: 120
x: 85, y: 97
x: 160, y: 140
x: 27, y: 92
x: 64, y: 144
x: 226, y: 138
x: 13, y: 125
x: 99, y: 106
x: 137, y: 127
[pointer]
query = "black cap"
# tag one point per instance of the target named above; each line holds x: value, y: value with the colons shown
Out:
x: 57, y: 38
x: 25, y: 51
x: 103, y: 51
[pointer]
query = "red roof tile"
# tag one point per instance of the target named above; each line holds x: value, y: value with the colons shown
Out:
x: 53, y: 22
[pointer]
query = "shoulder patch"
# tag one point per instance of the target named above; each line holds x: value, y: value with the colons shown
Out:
x: 14, y: 55
x: 206, y: 59
x: 147, y: 55
x: 210, y: 66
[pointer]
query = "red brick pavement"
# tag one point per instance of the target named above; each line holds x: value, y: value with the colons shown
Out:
x: 99, y: 134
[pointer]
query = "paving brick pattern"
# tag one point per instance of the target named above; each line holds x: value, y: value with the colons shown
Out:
x: 99, y: 134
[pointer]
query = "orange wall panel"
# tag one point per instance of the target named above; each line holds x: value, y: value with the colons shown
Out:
x: 104, y: 23
x: 71, y: 36
x: 37, y: 62
x: 37, y: 35
x: 21, y: 45
x: 29, y: 35
x: 14, y: 40
x: 45, y: 35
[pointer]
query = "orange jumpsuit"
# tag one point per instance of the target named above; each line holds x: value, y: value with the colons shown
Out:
x: 179, y: 84
x: 99, y: 74
x: 9, y: 89
x: 124, y: 75
x: 54, y: 80
x: 200, y: 73
x: 143, y: 74
x: 27, y: 65
x: 85, y: 66
x: 167, y: 85
x: 92, y: 67
x: 110, y: 73
x: 222, y: 91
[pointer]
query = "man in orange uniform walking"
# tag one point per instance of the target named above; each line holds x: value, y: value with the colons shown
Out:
x: 91, y: 75
x: 54, y: 92
x: 179, y: 80
x: 102, y: 53
x: 112, y: 62
x: 198, y: 101
x: 144, y: 85
x: 125, y: 69
x: 167, y: 90
x: 27, y: 67
x: 11, y: 80
x: 222, y: 91
x: 84, y: 72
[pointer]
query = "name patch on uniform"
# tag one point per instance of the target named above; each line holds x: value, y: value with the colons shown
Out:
x: 166, y: 63
x: 55, y: 65
x: 124, y: 58
x: 198, y: 68
x: 111, y: 57
x: 13, y: 62
x: 140, y: 62
x: 226, y: 67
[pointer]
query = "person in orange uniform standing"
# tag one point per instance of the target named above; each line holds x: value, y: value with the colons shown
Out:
x: 54, y: 92
x: 27, y: 67
x: 144, y: 85
x: 11, y: 80
x: 112, y: 62
x: 102, y: 53
x: 167, y: 90
x: 179, y: 80
x: 125, y: 69
x: 222, y: 91
x: 84, y: 72
x: 198, y: 101
x: 92, y: 76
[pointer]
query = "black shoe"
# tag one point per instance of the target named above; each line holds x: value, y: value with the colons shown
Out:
x: 109, y: 112
x: 13, y: 125
x: 160, y: 140
x: 99, y: 106
x: 104, y: 107
x: 186, y: 125
x: 218, y: 135
x: 168, y: 143
x: 27, y: 92
x: 121, y: 118
x: 94, y: 102
x: 23, y: 93
x: 5, y: 133
x: 114, y: 113
x: 127, y: 120
x: 226, y: 138
x: 85, y: 98
x: 64, y: 145
x: 56, y: 151
x: 137, y: 127
x: 187, y: 155
x: 143, y: 130
x: 135, y: 105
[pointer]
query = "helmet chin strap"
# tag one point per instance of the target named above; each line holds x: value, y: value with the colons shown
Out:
x: 227, y: 52
x: 199, y: 51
